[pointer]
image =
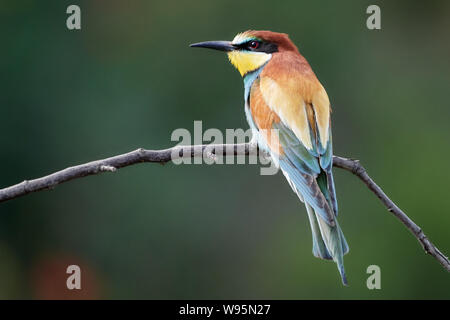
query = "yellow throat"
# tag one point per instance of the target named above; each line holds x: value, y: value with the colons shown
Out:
x: 246, y: 61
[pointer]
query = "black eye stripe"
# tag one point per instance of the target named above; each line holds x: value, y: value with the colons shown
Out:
x: 262, y: 46
x: 243, y: 45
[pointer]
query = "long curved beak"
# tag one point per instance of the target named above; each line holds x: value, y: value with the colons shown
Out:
x: 216, y: 45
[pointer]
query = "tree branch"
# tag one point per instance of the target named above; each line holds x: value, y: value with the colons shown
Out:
x: 357, y: 169
x: 162, y: 156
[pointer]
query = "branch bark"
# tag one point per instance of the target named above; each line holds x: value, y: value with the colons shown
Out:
x: 163, y: 156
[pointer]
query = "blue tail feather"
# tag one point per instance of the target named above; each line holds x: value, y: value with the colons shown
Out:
x: 319, y: 248
x: 328, y: 240
x: 304, y: 184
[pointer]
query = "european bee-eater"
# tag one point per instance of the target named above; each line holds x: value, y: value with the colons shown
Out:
x: 283, y: 93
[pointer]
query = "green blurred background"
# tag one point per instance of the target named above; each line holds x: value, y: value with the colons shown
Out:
x: 127, y: 79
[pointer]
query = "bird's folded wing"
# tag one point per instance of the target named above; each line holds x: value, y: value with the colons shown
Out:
x: 303, y: 143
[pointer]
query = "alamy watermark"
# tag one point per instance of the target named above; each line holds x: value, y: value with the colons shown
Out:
x: 216, y: 138
x: 374, y: 20
x: 74, y: 280
x: 73, y: 21
x: 374, y: 280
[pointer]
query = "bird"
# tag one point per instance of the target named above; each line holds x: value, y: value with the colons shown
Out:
x: 282, y: 94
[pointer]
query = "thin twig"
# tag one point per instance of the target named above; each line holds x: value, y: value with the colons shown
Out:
x: 162, y: 156
x: 357, y: 169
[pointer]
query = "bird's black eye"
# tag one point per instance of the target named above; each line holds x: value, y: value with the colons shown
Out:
x: 254, y: 44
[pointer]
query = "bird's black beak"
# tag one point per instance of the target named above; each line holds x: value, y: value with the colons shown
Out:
x: 217, y: 45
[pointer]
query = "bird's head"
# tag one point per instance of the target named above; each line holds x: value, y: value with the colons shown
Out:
x: 250, y: 50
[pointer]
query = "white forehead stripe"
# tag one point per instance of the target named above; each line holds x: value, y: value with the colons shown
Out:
x: 241, y: 38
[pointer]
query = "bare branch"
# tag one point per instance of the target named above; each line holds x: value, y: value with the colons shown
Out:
x: 357, y: 169
x: 162, y: 156
x: 113, y: 163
